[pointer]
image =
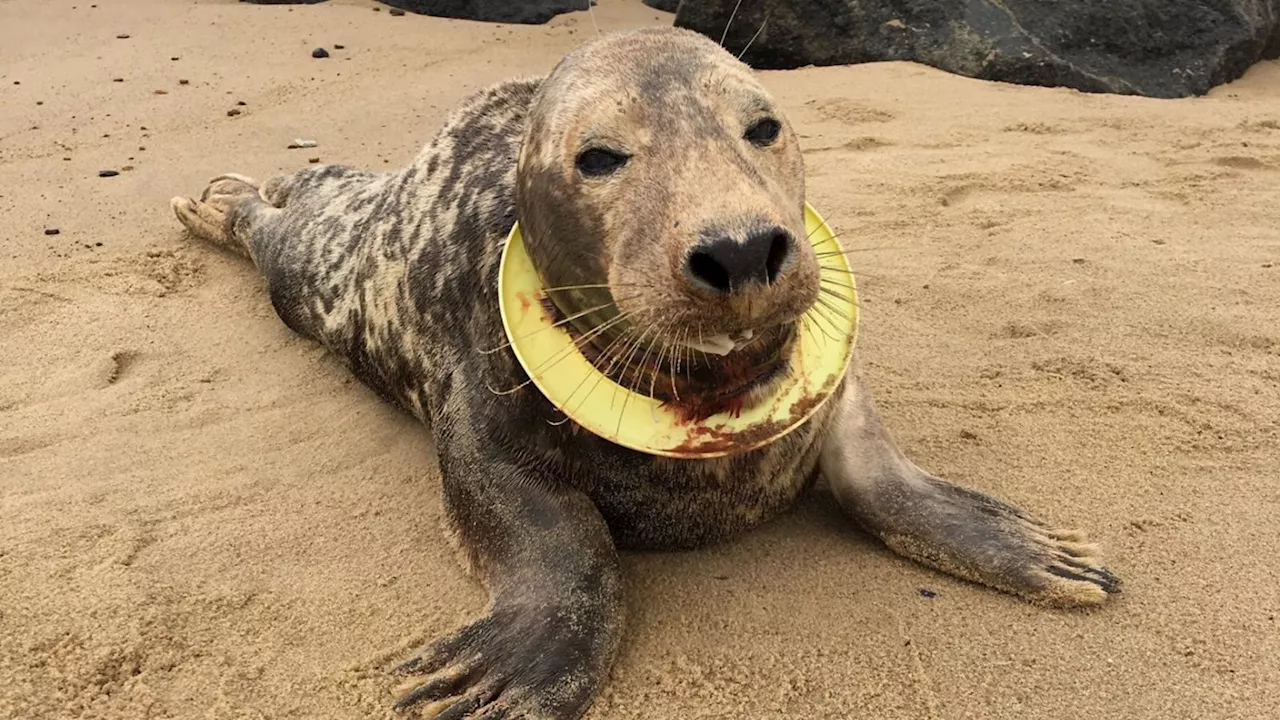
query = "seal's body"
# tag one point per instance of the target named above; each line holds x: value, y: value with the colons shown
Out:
x: 397, y: 274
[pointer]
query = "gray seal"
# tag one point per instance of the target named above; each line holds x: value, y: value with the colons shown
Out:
x: 650, y: 173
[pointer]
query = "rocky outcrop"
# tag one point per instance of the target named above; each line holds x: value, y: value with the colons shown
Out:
x: 505, y: 11
x: 1157, y: 48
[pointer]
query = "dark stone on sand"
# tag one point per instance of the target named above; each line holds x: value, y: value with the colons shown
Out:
x: 529, y: 12
x: 1156, y: 48
x: 51, y: 231
x: 319, y: 53
x: 108, y: 173
x: 663, y: 5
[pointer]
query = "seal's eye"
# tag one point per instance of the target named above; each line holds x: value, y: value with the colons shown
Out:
x: 599, y: 161
x: 763, y: 132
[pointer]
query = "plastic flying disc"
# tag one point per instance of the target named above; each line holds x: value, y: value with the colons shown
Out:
x: 547, y: 352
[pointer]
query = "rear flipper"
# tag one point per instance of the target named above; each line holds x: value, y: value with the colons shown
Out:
x: 223, y: 215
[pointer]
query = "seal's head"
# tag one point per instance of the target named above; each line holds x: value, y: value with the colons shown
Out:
x: 660, y: 192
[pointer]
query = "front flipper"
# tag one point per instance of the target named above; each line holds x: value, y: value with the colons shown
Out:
x: 545, y: 644
x: 959, y: 531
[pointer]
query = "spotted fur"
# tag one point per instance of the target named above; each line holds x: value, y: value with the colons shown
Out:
x: 396, y: 273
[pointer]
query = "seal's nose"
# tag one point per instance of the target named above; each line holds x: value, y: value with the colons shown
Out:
x: 726, y: 265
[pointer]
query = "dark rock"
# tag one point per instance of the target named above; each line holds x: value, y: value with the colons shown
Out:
x: 663, y: 5
x: 108, y: 173
x: 319, y: 53
x: 530, y: 12
x: 51, y: 231
x: 1157, y: 48
x: 339, y: 47
x: 233, y: 112
x: 122, y: 36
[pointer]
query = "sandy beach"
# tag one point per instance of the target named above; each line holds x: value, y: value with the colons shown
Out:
x: 1071, y: 301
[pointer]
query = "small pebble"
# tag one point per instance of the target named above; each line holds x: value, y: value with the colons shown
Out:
x: 184, y: 82
x: 122, y: 36
x: 161, y: 92
x: 233, y: 112
x: 142, y: 147
x: 929, y: 594
x: 241, y: 103
x: 117, y: 79
x: 108, y: 173
x: 339, y: 47
x: 397, y: 12
x: 297, y: 144
x: 126, y: 168
x: 52, y: 231
x: 313, y: 160
x: 319, y: 53
x: 97, y: 244
x: 39, y: 102
x: 175, y: 58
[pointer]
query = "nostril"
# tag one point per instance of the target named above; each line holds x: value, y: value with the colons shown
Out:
x: 707, y: 269
x: 779, y: 249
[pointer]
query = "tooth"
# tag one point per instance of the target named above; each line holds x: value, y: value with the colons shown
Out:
x: 716, y: 345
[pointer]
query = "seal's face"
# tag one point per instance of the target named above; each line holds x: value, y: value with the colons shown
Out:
x: 661, y: 195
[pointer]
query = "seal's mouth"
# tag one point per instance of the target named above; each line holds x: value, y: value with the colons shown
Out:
x: 697, y: 376
x: 721, y: 344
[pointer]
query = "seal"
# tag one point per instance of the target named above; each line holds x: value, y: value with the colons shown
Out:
x: 660, y: 196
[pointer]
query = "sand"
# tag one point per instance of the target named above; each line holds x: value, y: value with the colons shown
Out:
x: 1072, y: 301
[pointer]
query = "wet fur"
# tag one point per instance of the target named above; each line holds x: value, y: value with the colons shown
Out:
x: 397, y: 275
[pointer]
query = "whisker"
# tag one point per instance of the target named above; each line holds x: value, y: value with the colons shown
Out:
x: 571, y: 318
x: 657, y: 367
x: 825, y: 303
x: 839, y: 296
x: 627, y: 397
x: 826, y: 281
x: 604, y: 354
x: 625, y: 358
x: 595, y: 286
x: 820, y: 312
x: 850, y: 251
x: 753, y: 37
x: 555, y: 359
x: 591, y: 11
x: 810, y: 319
x: 602, y: 374
x: 732, y: 15
x: 675, y: 367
